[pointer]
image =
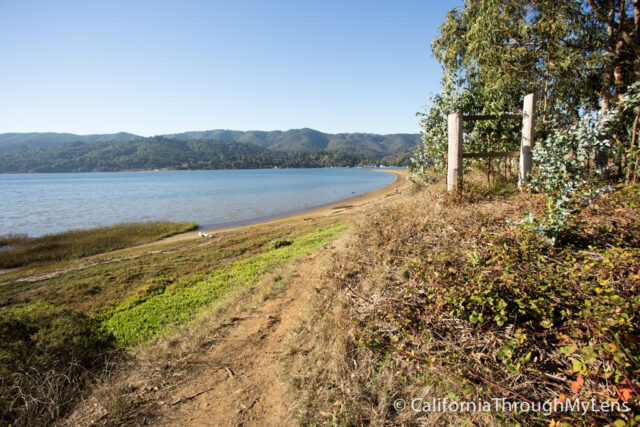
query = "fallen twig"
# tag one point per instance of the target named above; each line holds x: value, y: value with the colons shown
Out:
x: 184, y: 399
x: 500, y: 387
x: 229, y: 371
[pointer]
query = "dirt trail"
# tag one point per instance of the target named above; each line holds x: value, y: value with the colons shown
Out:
x: 239, y: 378
x: 238, y: 381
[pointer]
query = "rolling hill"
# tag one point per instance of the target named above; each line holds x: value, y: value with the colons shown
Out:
x: 364, y: 144
x: 164, y: 153
x: 22, y: 141
x: 368, y: 144
x: 214, y: 149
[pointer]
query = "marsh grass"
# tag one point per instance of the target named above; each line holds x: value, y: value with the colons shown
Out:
x: 48, y: 355
x: 158, y: 309
x: 23, y: 250
x: 63, y: 333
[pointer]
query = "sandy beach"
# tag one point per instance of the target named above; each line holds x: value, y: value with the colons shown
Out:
x: 343, y: 207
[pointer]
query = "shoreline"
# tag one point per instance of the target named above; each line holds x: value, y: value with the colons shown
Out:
x: 341, y: 207
x: 345, y: 207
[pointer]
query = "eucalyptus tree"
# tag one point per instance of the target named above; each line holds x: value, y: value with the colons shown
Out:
x: 493, y: 52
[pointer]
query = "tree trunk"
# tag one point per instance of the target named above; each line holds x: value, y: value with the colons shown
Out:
x: 636, y: 36
x: 600, y: 157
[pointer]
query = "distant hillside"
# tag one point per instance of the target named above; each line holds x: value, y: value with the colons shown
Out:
x: 213, y: 149
x: 363, y: 144
x: 166, y: 153
x: 21, y: 141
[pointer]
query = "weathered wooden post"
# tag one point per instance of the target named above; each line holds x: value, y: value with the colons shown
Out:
x: 528, y: 122
x: 454, y: 157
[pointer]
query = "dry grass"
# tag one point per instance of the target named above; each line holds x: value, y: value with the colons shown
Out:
x: 414, y: 309
x: 339, y: 380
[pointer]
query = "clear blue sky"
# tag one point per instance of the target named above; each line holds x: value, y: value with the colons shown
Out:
x: 153, y: 67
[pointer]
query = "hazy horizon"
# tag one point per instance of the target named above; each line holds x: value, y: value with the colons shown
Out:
x: 152, y: 68
x: 209, y: 130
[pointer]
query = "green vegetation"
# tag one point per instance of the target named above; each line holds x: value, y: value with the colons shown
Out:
x: 444, y: 297
x: 164, y: 153
x: 580, y: 58
x: 20, y: 250
x: 544, y: 308
x: 366, y: 144
x: 23, y: 141
x: 65, y: 324
x: 160, y: 307
x: 48, y: 355
x: 362, y: 144
x: 203, y: 150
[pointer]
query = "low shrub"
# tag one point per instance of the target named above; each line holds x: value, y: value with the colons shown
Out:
x: 47, y: 356
x: 445, y: 293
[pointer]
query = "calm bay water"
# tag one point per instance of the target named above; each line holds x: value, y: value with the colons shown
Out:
x: 39, y: 204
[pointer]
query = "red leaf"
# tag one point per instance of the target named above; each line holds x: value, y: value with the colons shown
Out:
x: 625, y: 393
x: 577, y: 384
x: 560, y: 399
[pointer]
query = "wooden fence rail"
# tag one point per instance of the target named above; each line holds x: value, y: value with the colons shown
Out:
x: 455, y: 152
x: 491, y: 155
x: 492, y: 117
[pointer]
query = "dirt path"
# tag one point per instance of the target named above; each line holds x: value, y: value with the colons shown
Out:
x: 239, y: 380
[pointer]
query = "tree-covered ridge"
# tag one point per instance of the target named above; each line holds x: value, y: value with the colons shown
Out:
x: 20, y: 141
x: 366, y: 144
x: 361, y: 144
x: 169, y: 153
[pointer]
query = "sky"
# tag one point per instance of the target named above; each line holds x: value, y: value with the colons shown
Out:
x: 155, y: 67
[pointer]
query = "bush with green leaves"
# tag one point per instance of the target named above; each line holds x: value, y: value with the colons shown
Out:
x: 47, y: 355
x: 430, y: 157
x: 564, y: 174
x: 430, y: 160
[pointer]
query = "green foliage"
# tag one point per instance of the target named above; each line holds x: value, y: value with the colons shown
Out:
x: 461, y: 294
x: 152, y: 314
x: 431, y: 156
x: 188, y: 151
x: 564, y: 174
x: 10, y: 142
x: 47, y: 355
x: 364, y: 145
x: 81, y: 243
x: 493, y: 53
x: 280, y: 243
x: 503, y: 49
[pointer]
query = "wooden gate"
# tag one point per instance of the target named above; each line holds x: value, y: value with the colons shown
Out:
x: 456, y: 154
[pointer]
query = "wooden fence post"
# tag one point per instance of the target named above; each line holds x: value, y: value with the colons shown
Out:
x: 528, y: 122
x: 454, y: 157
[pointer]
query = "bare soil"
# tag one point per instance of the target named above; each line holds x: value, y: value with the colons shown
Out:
x: 239, y: 381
